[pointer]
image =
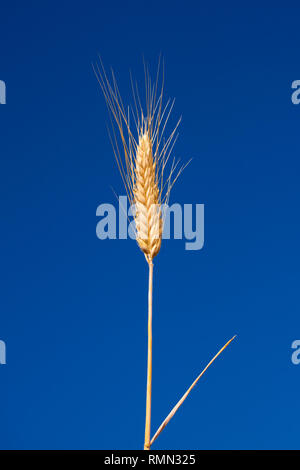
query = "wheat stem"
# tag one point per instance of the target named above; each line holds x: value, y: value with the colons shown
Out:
x: 149, y: 364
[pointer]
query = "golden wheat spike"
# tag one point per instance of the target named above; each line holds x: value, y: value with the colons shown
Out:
x: 148, y: 217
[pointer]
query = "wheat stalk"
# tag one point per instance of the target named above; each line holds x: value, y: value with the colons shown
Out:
x: 142, y: 170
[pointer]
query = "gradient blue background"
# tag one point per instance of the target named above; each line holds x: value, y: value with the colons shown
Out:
x: 73, y: 308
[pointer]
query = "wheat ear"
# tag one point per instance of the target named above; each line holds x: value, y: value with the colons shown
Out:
x: 148, y: 217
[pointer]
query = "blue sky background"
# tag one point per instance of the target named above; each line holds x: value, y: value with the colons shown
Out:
x: 73, y: 308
